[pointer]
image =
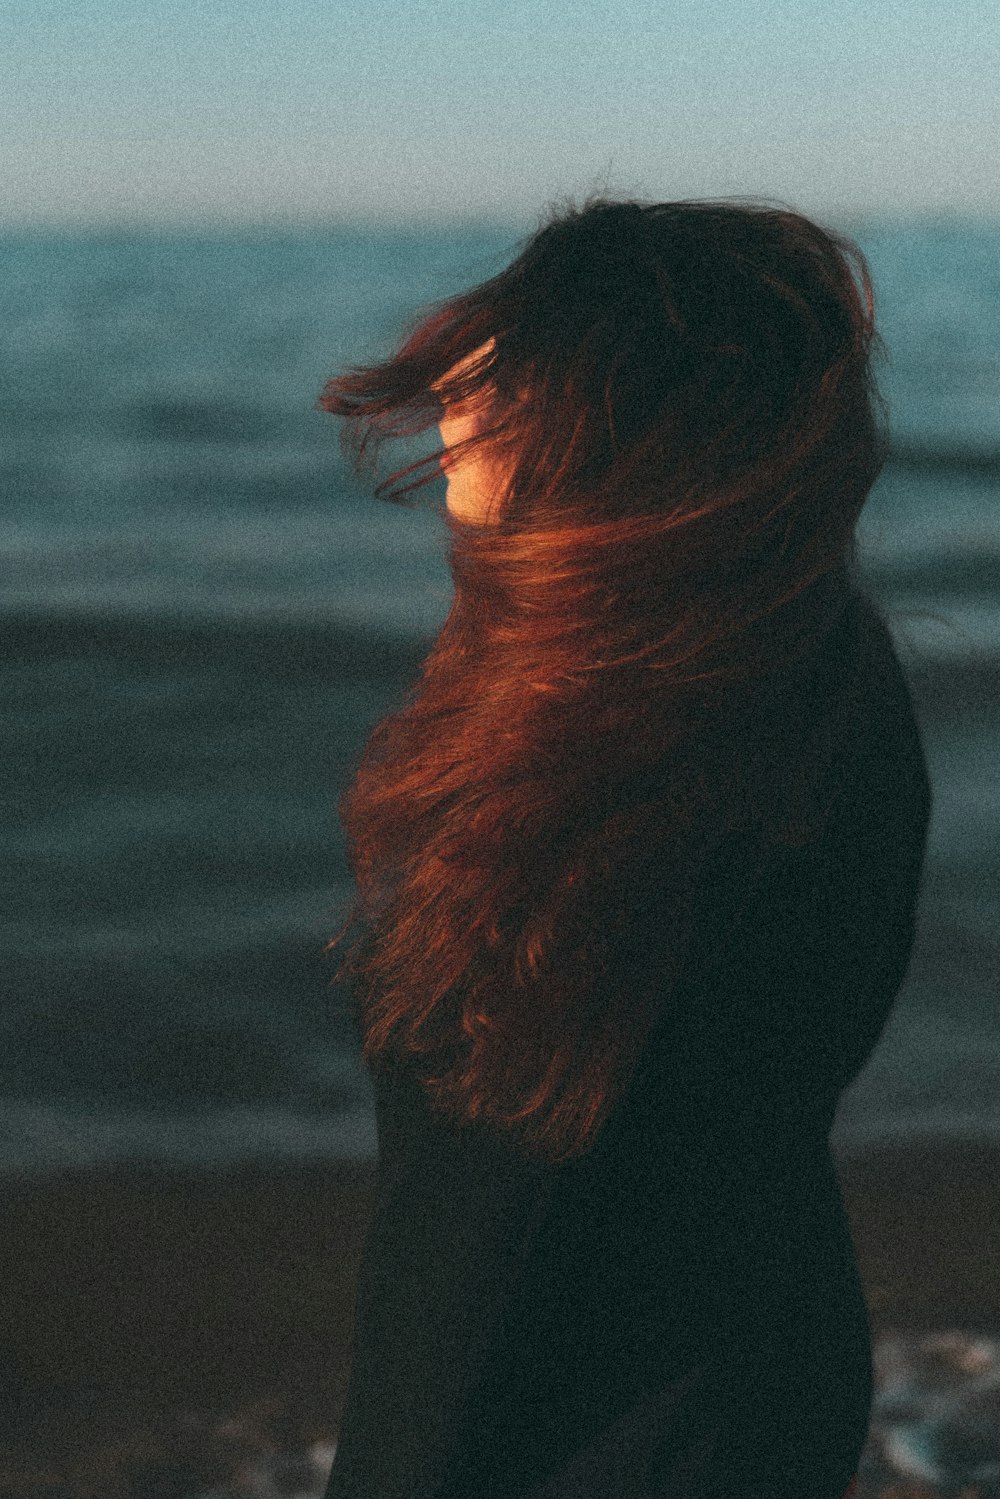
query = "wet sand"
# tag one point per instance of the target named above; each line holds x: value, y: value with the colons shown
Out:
x: 133, y: 1293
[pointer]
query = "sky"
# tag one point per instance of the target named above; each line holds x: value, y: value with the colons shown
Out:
x: 436, y: 111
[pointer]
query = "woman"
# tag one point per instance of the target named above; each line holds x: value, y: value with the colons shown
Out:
x: 637, y: 867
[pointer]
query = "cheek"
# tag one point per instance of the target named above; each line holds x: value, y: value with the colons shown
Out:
x: 469, y: 480
x: 463, y: 491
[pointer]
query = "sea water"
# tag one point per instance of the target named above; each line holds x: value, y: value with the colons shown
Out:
x: 204, y: 615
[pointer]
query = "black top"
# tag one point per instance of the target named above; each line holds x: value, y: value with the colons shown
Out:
x: 679, y: 1311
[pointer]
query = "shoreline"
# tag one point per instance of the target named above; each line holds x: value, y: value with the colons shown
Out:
x: 214, y: 1286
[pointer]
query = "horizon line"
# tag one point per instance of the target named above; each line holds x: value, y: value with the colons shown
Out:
x: 497, y: 221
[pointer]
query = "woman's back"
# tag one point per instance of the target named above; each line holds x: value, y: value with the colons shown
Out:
x: 524, y: 1329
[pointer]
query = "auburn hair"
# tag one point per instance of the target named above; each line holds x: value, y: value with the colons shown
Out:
x: 679, y: 403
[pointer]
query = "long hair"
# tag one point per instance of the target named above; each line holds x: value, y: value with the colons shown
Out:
x: 678, y: 405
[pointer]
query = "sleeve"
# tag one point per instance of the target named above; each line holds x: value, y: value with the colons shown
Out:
x: 860, y: 908
x: 454, y: 1215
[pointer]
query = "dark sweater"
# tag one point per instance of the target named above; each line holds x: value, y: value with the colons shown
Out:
x: 678, y: 1312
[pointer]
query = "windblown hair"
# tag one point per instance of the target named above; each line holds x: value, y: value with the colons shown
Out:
x: 679, y: 404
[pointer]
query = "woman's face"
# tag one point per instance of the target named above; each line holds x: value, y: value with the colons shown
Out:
x: 471, y: 479
x: 470, y: 488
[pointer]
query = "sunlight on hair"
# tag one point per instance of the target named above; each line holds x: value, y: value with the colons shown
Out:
x: 667, y: 415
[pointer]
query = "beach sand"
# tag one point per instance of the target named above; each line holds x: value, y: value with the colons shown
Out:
x: 130, y: 1296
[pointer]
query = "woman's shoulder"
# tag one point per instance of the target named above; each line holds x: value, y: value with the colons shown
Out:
x: 844, y: 741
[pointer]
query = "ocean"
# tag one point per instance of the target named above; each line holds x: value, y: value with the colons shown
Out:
x: 204, y: 616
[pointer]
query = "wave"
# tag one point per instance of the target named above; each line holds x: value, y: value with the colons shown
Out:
x: 947, y: 572
x: 202, y: 421
x: 37, y: 1138
x: 286, y: 646
x: 957, y: 458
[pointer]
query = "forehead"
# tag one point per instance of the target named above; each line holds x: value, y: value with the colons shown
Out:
x: 459, y: 368
x: 456, y: 423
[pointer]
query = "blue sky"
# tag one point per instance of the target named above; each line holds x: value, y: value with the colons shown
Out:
x: 432, y: 110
